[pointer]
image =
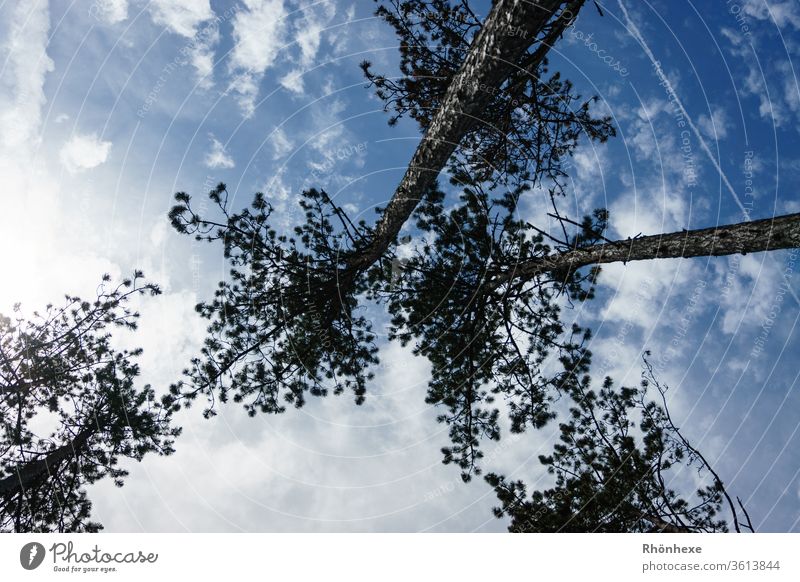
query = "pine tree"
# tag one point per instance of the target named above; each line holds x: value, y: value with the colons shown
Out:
x: 617, y: 450
x: 70, y: 409
x: 289, y: 298
x: 482, y: 295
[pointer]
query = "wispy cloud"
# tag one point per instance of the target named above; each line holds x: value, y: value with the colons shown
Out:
x: 110, y: 11
x: 218, y: 156
x: 714, y: 126
x: 783, y: 14
x: 181, y: 16
x: 669, y: 86
x: 191, y: 19
x: 259, y: 33
x: 281, y: 144
x: 24, y: 30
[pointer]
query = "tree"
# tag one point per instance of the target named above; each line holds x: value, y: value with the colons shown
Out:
x: 70, y: 410
x: 767, y: 234
x: 519, y: 122
x: 608, y: 478
x: 482, y: 295
x: 288, y: 316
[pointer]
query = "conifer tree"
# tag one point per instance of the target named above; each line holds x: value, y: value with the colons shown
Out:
x: 481, y: 297
x: 70, y: 408
x: 617, y: 454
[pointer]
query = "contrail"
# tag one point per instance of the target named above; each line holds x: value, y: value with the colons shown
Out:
x: 635, y: 32
x: 656, y: 65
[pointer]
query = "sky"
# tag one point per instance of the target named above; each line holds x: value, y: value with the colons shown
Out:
x: 109, y: 107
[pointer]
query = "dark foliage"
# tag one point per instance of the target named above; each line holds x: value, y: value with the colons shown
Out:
x: 484, y: 341
x: 280, y: 327
x: 617, y: 453
x: 58, y: 369
x: 534, y: 119
x: 287, y: 322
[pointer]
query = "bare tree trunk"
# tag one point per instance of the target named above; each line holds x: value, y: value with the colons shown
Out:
x: 782, y: 232
x: 508, y: 31
x: 24, y: 476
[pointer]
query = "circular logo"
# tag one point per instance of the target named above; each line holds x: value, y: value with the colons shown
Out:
x: 31, y: 555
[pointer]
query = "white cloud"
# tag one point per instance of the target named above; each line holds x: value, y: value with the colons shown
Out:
x: 327, y: 128
x: 158, y: 235
x: 181, y: 16
x: 308, y: 30
x: 751, y: 284
x: 24, y: 30
x: 642, y: 133
x: 647, y: 212
x: 258, y: 33
x: 714, y: 127
x: 309, y: 38
x: 201, y: 54
x: 783, y: 14
x: 110, y: 11
x: 191, y: 19
x: 773, y: 82
x: 791, y: 92
x: 308, y: 33
x: 246, y: 85
x: 293, y: 81
x: 84, y: 152
x: 218, y: 157
x: 46, y: 247
x: 330, y: 466
x: 281, y: 144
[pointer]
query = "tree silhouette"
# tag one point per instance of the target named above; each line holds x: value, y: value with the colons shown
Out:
x: 519, y: 125
x: 70, y: 410
x: 273, y: 336
x: 611, y: 477
x: 290, y: 297
x: 482, y: 295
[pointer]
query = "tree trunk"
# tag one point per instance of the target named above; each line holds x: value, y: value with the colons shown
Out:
x: 782, y: 232
x: 508, y: 31
x: 23, y: 477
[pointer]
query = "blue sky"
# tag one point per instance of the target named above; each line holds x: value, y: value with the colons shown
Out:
x: 107, y: 108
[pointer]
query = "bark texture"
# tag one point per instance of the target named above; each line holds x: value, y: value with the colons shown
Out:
x: 781, y: 232
x: 507, y: 33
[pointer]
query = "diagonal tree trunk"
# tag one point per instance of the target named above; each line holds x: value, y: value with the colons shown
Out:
x: 507, y: 33
x: 25, y: 476
x: 769, y: 234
